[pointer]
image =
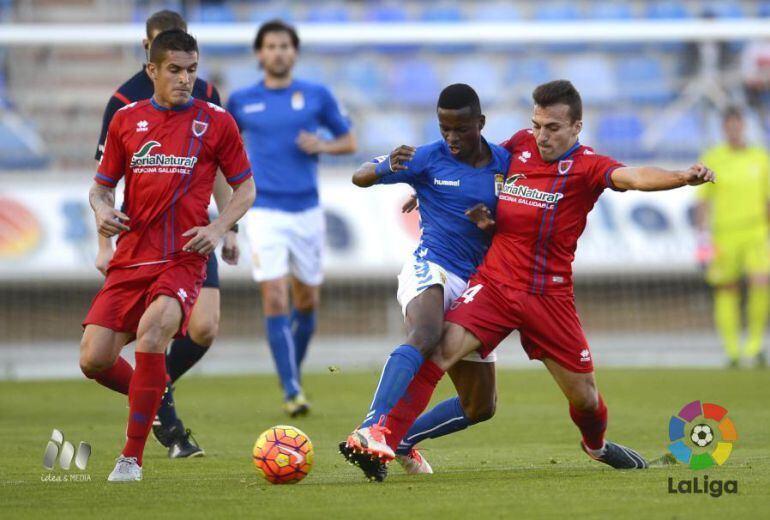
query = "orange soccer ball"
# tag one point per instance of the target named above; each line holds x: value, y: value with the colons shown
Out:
x: 283, y: 455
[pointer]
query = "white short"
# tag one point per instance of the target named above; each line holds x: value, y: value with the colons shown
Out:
x: 284, y: 242
x: 417, y: 275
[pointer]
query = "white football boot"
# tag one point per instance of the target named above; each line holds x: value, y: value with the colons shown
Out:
x: 126, y: 470
x: 371, y: 440
x: 414, y: 463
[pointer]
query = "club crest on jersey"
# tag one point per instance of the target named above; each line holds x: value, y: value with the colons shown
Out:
x: 565, y: 167
x: 499, y: 180
x: 199, y: 128
x: 297, y: 100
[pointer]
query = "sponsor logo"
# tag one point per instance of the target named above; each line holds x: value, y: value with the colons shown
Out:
x: 525, y: 192
x: 142, y: 159
x: 142, y: 126
x: 199, y: 128
x: 254, y: 107
x: 525, y: 156
x: 701, y: 435
x: 444, y: 182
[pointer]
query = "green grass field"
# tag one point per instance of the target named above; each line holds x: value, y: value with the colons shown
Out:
x: 525, y: 462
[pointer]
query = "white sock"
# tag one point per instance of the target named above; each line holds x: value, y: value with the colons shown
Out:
x: 596, y: 453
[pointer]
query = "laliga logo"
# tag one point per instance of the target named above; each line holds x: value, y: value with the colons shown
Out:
x: 63, y: 450
x: 701, y: 435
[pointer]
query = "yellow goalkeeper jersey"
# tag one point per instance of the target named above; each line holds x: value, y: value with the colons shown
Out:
x: 739, y: 199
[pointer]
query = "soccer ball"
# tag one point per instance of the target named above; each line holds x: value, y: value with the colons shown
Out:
x: 702, y: 435
x: 283, y: 455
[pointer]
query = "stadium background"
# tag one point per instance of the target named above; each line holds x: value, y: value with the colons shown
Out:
x: 649, y: 99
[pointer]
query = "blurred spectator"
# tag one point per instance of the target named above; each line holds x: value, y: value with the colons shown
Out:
x: 755, y: 74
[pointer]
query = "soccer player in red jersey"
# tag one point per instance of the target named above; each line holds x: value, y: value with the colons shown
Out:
x: 525, y: 280
x: 168, y: 149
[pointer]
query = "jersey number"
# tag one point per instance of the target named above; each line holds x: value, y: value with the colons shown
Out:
x: 471, y: 293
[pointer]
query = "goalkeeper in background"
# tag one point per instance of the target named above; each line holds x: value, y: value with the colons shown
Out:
x: 734, y: 213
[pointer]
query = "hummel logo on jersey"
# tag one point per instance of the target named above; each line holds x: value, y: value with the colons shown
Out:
x: 142, y: 126
x: 254, y: 107
x: 182, y: 294
x: 524, y: 156
x: 142, y: 158
x: 442, y: 182
x: 511, y: 188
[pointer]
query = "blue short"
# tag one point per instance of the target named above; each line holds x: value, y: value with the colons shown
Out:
x: 212, y: 272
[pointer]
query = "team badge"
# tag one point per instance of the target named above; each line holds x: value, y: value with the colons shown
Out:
x: 199, y: 128
x: 297, y: 100
x: 499, y: 179
x: 564, y: 167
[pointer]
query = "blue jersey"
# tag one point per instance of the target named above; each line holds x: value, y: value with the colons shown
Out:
x: 270, y: 121
x: 446, y: 188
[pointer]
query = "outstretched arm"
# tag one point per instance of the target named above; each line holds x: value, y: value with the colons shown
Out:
x: 651, y: 178
x: 368, y: 173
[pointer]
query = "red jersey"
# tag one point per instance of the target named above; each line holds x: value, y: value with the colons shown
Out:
x: 169, y: 158
x: 541, y: 212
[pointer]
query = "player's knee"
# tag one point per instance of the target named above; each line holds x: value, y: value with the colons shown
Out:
x: 585, y: 401
x: 480, y: 412
x: 204, y: 331
x: 425, y: 338
x: 93, y: 362
x: 275, y: 301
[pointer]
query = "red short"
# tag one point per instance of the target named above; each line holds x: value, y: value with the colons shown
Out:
x: 128, y: 291
x: 549, y: 325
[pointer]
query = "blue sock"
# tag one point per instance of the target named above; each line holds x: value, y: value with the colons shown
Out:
x: 167, y: 410
x: 282, y: 347
x: 444, y: 418
x: 302, y: 328
x: 402, y: 365
x: 182, y: 355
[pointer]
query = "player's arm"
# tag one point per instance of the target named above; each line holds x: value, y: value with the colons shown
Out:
x: 372, y: 172
x: 222, y: 195
x: 311, y: 144
x: 482, y: 216
x: 109, y: 221
x: 205, y: 239
x: 652, y: 178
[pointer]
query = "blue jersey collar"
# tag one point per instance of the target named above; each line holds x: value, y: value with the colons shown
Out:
x: 568, y: 152
x: 178, y: 108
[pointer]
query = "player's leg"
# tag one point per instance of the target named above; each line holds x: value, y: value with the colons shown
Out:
x: 100, y: 357
x: 724, y: 274
x: 305, y: 301
x: 269, y: 233
x: 476, y: 402
x: 183, y: 354
x: 158, y: 324
x: 589, y: 413
x: 758, y: 304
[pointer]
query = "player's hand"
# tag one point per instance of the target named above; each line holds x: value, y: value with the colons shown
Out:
x: 399, y: 156
x: 204, y: 239
x: 109, y: 221
x: 481, y: 216
x: 230, y: 250
x: 103, y: 257
x: 309, y: 143
x: 410, y: 205
x: 699, y: 174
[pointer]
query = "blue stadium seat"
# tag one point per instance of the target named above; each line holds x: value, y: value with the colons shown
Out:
x: 382, y: 131
x: 442, y: 13
x: 328, y: 13
x: 272, y: 12
x: 385, y: 12
x: 685, y: 139
x: 620, y: 12
x: 414, y: 82
x: 366, y: 78
x: 240, y: 75
x: 593, y: 77
x: 763, y: 9
x: 525, y: 74
x: 619, y: 134
x: 502, y: 124
x: 643, y: 80
x: 16, y: 154
x: 497, y: 12
x: 481, y: 73
x: 725, y: 10
x: 560, y: 12
x: 668, y: 10
x: 217, y: 13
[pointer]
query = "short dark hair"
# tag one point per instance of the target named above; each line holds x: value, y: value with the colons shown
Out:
x: 164, y: 21
x: 732, y: 111
x: 458, y: 96
x: 558, y: 92
x: 273, y: 26
x: 173, y: 40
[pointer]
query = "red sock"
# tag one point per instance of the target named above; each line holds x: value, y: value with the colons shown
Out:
x: 144, y: 395
x: 413, y: 403
x: 592, y: 424
x: 117, y: 377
